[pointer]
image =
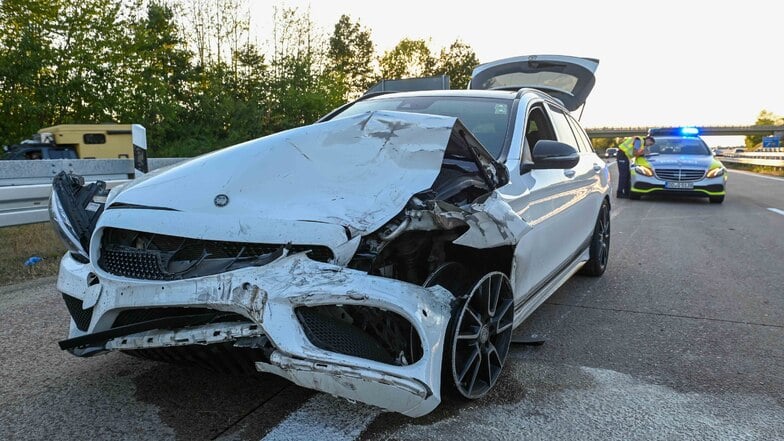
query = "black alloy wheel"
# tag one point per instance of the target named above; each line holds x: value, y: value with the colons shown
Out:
x: 600, y: 244
x: 480, y: 335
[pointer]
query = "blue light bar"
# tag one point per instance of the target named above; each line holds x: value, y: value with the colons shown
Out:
x: 690, y: 131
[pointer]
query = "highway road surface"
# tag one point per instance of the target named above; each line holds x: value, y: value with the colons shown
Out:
x: 683, y: 338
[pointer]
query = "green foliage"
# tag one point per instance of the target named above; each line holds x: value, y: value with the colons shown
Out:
x: 457, y: 61
x: 765, y: 118
x: 351, y: 54
x: 409, y: 59
x: 602, y: 144
x: 189, y: 71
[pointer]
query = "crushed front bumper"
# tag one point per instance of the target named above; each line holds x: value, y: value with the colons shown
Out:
x: 266, y: 298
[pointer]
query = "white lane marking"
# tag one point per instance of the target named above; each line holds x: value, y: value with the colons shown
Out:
x: 325, y: 417
x: 756, y: 175
x: 776, y: 210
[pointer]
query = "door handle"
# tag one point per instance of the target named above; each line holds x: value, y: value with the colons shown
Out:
x: 569, y: 173
x: 597, y: 168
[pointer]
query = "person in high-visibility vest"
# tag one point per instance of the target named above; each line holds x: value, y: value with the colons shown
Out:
x: 628, y: 151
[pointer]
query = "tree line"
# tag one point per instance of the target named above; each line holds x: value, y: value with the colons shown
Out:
x: 191, y: 71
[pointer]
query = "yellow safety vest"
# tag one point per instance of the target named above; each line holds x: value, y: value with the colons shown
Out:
x: 627, y: 146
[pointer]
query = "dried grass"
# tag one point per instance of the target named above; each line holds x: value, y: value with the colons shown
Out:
x: 17, y: 244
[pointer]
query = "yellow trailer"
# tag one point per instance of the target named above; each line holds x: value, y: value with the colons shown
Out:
x: 92, y: 141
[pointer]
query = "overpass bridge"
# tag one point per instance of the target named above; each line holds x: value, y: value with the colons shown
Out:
x: 619, y: 132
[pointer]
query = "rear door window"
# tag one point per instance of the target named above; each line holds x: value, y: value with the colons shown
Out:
x: 562, y: 127
x: 582, y: 138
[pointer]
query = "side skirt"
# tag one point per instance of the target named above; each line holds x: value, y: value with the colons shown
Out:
x: 528, y: 306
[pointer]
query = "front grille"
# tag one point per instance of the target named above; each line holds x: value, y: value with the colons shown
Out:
x: 680, y: 174
x: 133, y: 316
x: 149, y: 256
x: 80, y: 316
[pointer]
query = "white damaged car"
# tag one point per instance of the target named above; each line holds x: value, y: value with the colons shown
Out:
x: 384, y: 254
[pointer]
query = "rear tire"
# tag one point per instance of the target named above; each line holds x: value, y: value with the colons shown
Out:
x: 716, y: 199
x: 600, y: 244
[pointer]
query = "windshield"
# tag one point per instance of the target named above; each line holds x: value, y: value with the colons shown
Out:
x: 678, y: 146
x: 487, y: 118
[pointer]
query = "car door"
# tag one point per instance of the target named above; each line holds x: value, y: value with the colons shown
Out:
x: 598, y: 179
x: 542, y: 199
x: 579, y: 203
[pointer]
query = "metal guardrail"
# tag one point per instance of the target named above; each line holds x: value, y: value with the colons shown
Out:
x: 25, y: 186
x: 768, y: 159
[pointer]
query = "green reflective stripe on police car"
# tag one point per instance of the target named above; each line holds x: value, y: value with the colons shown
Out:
x: 709, y: 193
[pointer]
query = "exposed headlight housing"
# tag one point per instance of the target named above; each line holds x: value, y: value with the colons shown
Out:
x: 643, y: 170
x: 716, y: 172
x: 63, y: 227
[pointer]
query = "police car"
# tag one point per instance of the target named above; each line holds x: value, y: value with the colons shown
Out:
x: 679, y: 163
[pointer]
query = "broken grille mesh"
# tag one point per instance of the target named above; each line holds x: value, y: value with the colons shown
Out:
x: 136, y: 264
x: 146, y: 256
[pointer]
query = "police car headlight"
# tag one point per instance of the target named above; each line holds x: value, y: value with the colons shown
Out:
x: 716, y: 172
x: 643, y: 170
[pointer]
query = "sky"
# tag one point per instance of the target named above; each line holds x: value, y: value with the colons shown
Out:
x: 661, y: 63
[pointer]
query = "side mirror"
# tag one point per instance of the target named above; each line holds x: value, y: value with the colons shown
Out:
x: 552, y: 155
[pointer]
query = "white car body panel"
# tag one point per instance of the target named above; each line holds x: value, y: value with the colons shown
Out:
x: 293, y: 188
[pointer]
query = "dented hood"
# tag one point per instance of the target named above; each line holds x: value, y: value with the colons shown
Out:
x: 356, y: 172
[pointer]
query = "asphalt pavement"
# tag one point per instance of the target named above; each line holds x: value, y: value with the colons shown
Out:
x: 682, y: 338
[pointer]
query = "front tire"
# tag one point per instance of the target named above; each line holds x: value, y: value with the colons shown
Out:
x: 600, y: 244
x: 480, y: 333
x: 634, y: 196
x: 716, y: 199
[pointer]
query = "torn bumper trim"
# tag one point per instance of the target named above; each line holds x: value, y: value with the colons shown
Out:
x: 381, y: 388
x: 201, y: 335
x: 102, y: 337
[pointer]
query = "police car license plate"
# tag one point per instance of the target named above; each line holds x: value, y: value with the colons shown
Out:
x: 679, y: 185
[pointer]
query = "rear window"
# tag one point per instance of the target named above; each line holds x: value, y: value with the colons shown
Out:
x: 679, y: 146
x: 555, y: 80
x: 487, y: 118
